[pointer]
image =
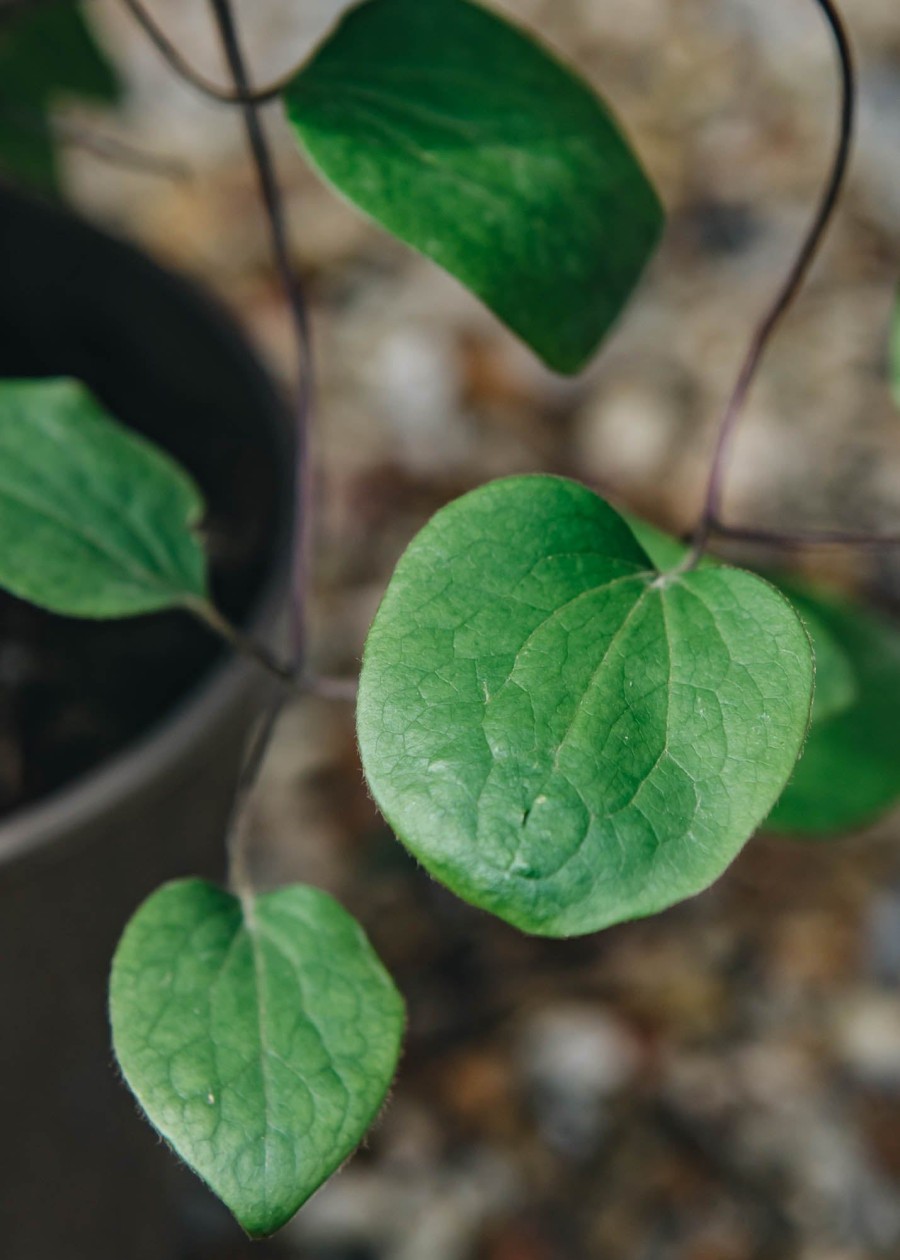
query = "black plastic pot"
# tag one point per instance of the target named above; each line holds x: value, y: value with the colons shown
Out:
x: 82, y: 1177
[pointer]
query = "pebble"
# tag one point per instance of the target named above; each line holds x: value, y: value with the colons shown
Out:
x: 882, y: 938
x: 575, y: 1059
x: 867, y: 1036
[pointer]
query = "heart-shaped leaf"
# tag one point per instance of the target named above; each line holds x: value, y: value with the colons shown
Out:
x: 850, y: 769
x: 560, y: 734
x: 94, y: 520
x: 260, y: 1038
x: 463, y: 137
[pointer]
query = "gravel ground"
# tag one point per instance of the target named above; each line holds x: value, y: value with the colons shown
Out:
x: 722, y: 1082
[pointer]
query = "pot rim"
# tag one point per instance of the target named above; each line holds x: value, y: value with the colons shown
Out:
x: 150, y: 758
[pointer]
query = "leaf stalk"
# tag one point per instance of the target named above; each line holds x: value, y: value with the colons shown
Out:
x: 183, y: 68
x: 710, y: 518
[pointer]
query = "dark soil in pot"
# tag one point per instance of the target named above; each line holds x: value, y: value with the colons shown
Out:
x: 72, y: 693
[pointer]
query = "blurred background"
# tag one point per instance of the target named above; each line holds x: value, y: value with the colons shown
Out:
x: 721, y: 1082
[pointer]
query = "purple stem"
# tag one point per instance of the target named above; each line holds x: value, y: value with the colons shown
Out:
x: 272, y: 201
x: 179, y: 63
x: 803, y: 538
x: 709, y: 518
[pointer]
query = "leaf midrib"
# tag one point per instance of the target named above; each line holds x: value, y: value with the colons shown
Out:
x: 637, y: 576
x: 150, y: 541
x: 137, y: 572
x: 591, y: 684
x: 495, y: 194
x: 274, y: 940
x: 256, y: 932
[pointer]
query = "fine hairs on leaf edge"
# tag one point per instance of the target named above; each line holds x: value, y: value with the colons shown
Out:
x: 399, y: 670
x: 165, y: 1002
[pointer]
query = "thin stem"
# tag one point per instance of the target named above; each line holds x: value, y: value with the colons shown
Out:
x: 242, y: 643
x: 108, y: 148
x: 272, y: 201
x: 118, y: 152
x: 788, y: 291
x: 183, y: 68
x: 238, y: 832
x: 345, y: 689
x: 803, y: 538
x: 326, y: 687
x: 237, y: 837
x: 796, y: 539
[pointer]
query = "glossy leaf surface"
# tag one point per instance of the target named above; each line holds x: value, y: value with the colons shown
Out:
x: 95, y: 521
x: 849, y: 771
x: 466, y: 139
x: 260, y: 1039
x: 836, y: 684
x: 560, y: 735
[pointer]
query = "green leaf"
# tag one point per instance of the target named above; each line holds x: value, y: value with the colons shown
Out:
x: 46, y: 52
x: 664, y: 550
x: 850, y: 769
x: 561, y: 735
x: 466, y: 139
x: 260, y: 1039
x: 849, y: 772
x: 835, y: 677
x: 94, y: 520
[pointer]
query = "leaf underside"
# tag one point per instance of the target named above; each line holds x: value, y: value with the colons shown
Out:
x: 467, y: 140
x: 260, y: 1039
x: 559, y: 735
x: 95, y: 521
x: 849, y: 773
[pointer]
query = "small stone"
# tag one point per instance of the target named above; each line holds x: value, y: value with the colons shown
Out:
x: 882, y: 938
x: 576, y: 1058
x: 867, y: 1034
